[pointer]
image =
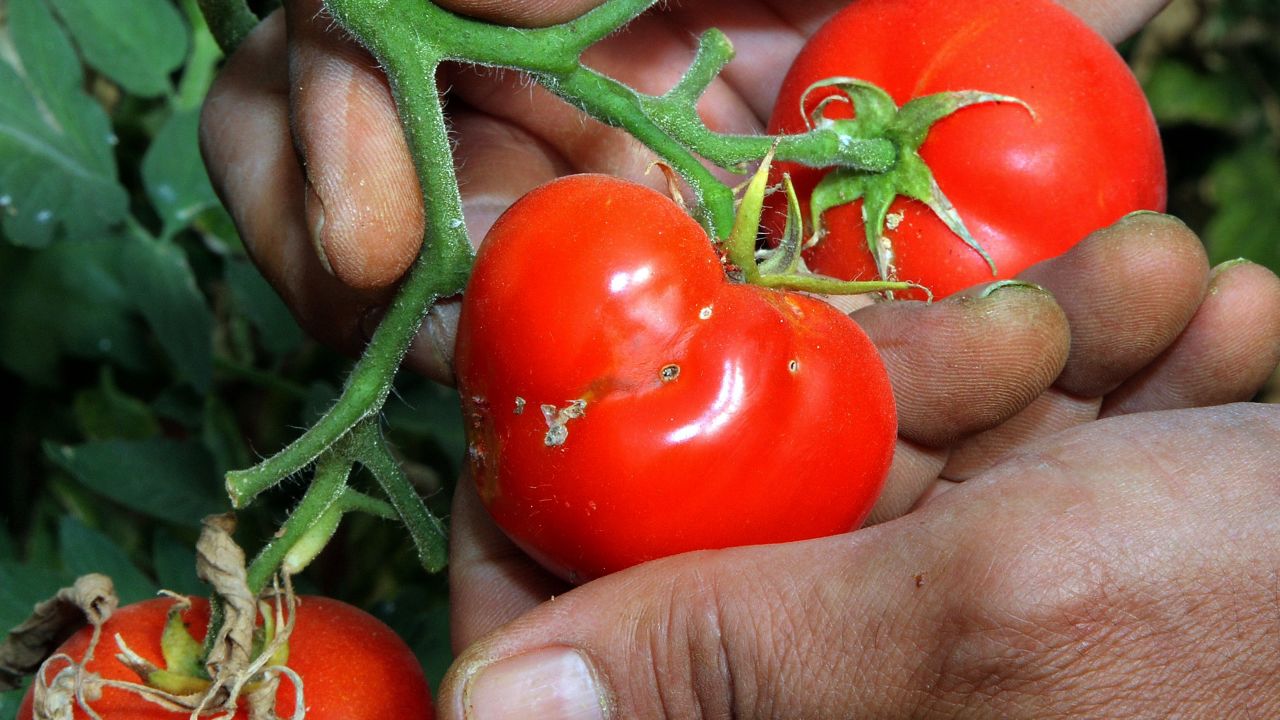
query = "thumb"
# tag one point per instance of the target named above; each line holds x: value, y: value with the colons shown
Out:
x: 793, y: 630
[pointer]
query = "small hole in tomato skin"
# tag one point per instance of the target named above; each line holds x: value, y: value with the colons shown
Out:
x: 670, y: 372
x: 793, y: 367
x: 705, y: 313
x: 519, y: 405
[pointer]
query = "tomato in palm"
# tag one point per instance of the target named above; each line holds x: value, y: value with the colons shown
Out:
x: 1027, y: 185
x: 625, y: 401
x: 352, y: 666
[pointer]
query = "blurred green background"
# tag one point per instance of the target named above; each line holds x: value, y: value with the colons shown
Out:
x: 141, y: 356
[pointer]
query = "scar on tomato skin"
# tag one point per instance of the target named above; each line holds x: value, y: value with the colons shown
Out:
x: 670, y: 372
x: 519, y: 405
x: 558, y: 421
x: 705, y: 313
x: 793, y: 367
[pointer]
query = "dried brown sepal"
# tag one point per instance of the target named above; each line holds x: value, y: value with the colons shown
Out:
x: 91, y: 599
x: 220, y: 562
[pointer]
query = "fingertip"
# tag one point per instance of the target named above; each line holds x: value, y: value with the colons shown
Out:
x: 364, y: 206
x: 967, y: 363
x: 1127, y: 290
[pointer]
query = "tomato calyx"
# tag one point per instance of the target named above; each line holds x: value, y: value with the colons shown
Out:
x: 907, y: 127
x: 782, y: 267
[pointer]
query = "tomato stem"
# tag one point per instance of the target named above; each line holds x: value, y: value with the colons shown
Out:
x: 230, y: 21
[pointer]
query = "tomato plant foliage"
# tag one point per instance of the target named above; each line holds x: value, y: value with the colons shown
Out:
x: 1028, y: 184
x: 625, y: 401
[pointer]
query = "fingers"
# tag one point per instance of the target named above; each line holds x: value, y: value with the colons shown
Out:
x: 1128, y: 290
x: 245, y: 138
x: 1226, y: 353
x: 992, y: 601
x: 491, y: 580
x: 967, y: 363
x: 363, y: 204
x: 1115, y: 19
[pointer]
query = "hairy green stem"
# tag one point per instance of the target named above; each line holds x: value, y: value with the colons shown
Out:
x: 430, y: 538
x: 326, y: 488
x: 230, y: 21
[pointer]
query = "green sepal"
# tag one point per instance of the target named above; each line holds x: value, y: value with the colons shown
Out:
x: 182, y: 654
x: 877, y: 115
x: 782, y: 267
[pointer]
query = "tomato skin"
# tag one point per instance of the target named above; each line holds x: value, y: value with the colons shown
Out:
x: 353, y: 667
x: 779, y: 425
x: 1028, y: 189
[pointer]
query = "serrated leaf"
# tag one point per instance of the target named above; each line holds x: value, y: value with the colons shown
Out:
x: 162, y: 286
x: 65, y: 300
x: 85, y: 551
x: 166, y: 479
x: 174, y: 174
x: 277, y: 330
x: 57, y: 166
x: 137, y: 43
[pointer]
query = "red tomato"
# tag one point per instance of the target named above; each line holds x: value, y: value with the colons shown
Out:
x: 353, y: 667
x: 625, y: 401
x: 1027, y: 189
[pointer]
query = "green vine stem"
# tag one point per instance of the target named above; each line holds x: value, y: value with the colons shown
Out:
x: 410, y: 39
x: 230, y: 21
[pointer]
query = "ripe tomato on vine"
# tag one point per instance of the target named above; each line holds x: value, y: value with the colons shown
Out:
x: 624, y: 400
x: 1056, y: 142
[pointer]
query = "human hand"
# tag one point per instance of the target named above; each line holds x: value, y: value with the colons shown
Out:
x: 1123, y: 568
x: 304, y: 145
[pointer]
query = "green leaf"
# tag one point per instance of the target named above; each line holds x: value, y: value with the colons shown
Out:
x: 85, y: 550
x: 277, y: 330
x: 66, y: 300
x: 24, y: 585
x: 1180, y: 94
x: 163, y: 287
x: 174, y: 174
x: 137, y: 43
x: 57, y: 165
x: 166, y: 479
x: 1246, y: 188
x: 9, y: 703
x: 106, y: 413
x: 175, y: 564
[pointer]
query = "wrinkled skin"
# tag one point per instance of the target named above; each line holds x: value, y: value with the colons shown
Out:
x: 1053, y: 566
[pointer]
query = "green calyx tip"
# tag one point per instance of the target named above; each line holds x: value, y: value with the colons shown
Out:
x: 782, y: 267
x: 877, y: 115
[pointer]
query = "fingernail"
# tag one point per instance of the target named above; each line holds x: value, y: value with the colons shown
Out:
x: 551, y: 684
x: 996, y: 287
x: 1220, y: 269
x: 1153, y: 215
x: 313, y: 207
x: 1223, y: 266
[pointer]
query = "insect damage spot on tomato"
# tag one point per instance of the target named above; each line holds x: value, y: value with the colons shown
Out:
x: 519, y: 405
x: 793, y: 367
x: 670, y: 372
x: 558, y: 421
x: 705, y: 313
